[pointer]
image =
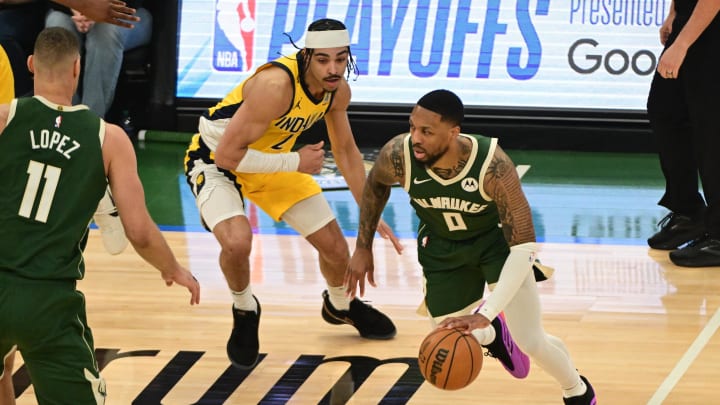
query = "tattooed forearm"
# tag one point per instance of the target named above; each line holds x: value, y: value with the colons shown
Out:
x: 503, y: 185
x: 389, y: 168
x: 375, y: 196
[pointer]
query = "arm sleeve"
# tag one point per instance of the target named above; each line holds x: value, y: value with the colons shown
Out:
x: 517, y: 266
x: 260, y: 162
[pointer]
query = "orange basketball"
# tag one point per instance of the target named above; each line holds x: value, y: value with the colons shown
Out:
x: 450, y: 360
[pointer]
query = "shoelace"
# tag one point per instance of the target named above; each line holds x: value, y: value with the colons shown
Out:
x: 368, y: 309
x: 661, y: 224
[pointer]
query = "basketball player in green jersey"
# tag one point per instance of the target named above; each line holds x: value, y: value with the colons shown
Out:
x: 59, y: 159
x: 245, y: 150
x: 475, y: 229
x: 7, y: 93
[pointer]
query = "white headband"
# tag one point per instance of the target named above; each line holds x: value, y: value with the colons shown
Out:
x: 327, y: 39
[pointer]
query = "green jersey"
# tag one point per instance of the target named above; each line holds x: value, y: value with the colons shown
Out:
x: 456, y: 208
x: 53, y: 177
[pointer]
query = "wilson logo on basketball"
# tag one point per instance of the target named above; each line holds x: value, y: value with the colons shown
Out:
x: 437, y: 365
x: 450, y: 359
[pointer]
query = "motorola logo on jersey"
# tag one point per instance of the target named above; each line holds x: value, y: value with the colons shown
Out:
x: 587, y: 56
x: 234, y: 39
x: 470, y: 184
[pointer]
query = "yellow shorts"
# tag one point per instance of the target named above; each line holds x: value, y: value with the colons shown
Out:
x: 275, y: 193
x: 219, y: 193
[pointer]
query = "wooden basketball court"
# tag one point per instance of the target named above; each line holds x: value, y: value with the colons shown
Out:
x: 642, y: 330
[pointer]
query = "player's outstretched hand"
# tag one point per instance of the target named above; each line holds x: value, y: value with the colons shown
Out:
x: 386, y: 233
x: 361, y: 265
x: 465, y: 323
x: 312, y: 158
x: 183, y: 277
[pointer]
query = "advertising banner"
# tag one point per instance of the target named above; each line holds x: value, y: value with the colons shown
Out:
x: 567, y: 54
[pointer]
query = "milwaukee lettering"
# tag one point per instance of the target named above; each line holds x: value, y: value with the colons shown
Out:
x: 450, y: 203
x: 439, y: 34
x: 230, y: 379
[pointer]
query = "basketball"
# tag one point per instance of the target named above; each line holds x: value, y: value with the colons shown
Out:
x: 450, y: 360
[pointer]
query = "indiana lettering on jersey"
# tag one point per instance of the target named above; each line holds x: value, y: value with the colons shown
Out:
x: 450, y: 203
x: 294, y: 124
x: 54, y: 140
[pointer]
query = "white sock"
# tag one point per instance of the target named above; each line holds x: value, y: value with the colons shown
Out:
x: 244, y: 300
x: 577, y: 390
x: 338, y: 298
x: 485, y: 335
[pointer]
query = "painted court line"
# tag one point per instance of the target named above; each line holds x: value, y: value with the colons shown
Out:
x: 682, y: 366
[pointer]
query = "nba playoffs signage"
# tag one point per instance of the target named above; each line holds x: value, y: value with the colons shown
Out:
x: 597, y: 54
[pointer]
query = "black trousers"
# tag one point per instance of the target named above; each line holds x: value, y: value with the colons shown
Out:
x: 684, y: 116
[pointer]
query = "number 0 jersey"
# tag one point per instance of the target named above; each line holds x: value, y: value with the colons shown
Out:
x: 53, y: 177
x: 456, y: 208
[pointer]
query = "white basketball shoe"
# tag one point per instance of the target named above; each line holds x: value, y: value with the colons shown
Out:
x: 108, y: 221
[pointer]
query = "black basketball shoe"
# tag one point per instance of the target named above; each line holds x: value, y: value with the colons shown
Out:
x: 675, y: 231
x: 243, y: 347
x: 371, y: 323
x: 703, y: 252
x: 588, y: 398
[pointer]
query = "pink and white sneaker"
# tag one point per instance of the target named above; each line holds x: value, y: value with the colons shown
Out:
x: 506, y: 351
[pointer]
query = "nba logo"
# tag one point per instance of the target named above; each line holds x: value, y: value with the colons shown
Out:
x: 234, y: 41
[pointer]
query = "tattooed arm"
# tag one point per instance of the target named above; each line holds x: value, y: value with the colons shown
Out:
x: 502, y: 184
x: 387, y: 170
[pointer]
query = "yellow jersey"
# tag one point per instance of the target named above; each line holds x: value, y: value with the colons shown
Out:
x: 282, y: 133
x: 7, y: 82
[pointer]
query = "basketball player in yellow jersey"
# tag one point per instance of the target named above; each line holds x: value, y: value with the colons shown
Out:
x: 7, y: 82
x: 7, y: 93
x: 244, y: 150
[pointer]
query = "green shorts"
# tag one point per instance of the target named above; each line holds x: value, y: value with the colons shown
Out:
x: 456, y: 272
x: 46, y: 321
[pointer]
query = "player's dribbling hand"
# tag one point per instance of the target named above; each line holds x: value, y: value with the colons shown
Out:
x: 312, y: 158
x: 183, y: 277
x: 465, y: 323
